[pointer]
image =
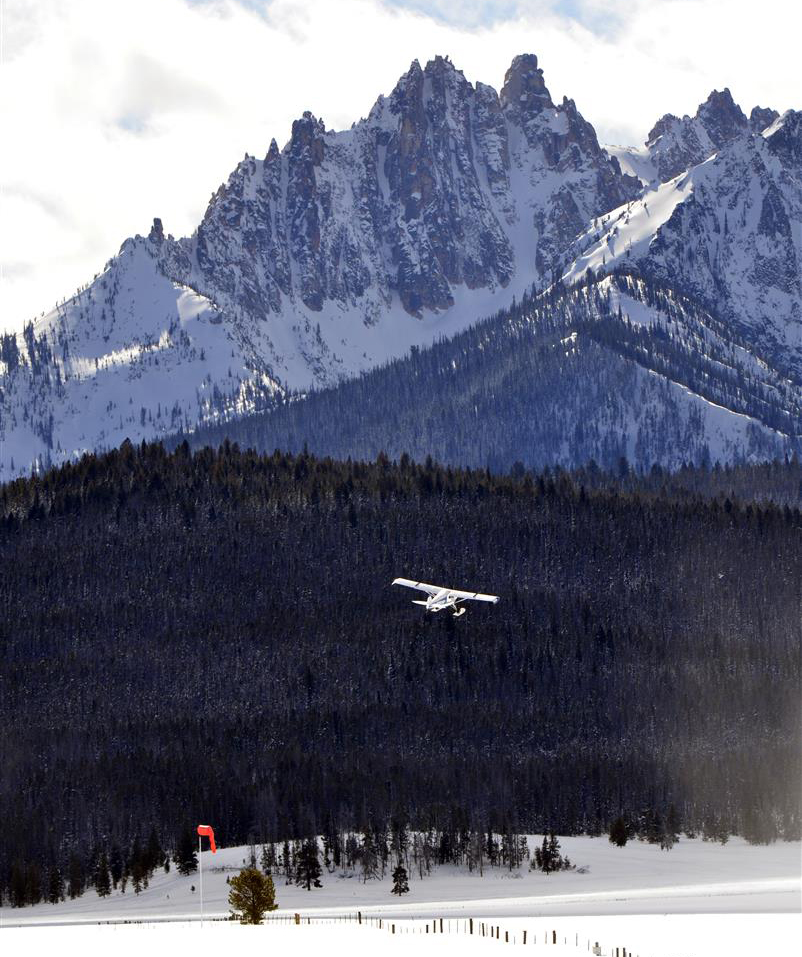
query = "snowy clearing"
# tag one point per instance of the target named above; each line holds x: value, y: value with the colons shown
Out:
x: 698, y: 900
x: 694, y: 877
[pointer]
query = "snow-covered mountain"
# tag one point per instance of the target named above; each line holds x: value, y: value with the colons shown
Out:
x: 727, y: 231
x: 318, y: 261
x: 346, y: 248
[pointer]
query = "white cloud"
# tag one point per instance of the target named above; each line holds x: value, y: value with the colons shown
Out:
x: 114, y: 112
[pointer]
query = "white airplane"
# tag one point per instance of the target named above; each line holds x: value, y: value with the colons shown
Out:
x: 441, y: 598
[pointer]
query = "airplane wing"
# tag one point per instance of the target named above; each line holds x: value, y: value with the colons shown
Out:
x: 435, y: 589
x: 473, y: 595
x: 421, y: 586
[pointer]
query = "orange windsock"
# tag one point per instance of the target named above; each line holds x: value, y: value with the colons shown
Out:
x: 208, y: 830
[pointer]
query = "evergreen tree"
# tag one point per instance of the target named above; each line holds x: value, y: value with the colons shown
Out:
x: 137, y: 875
x: 548, y: 857
x: 399, y: 835
x: 55, y: 886
x: 136, y: 864
x: 18, y: 885
x: 75, y: 877
x: 368, y: 856
x: 307, y: 871
x: 286, y: 862
x: 115, y: 865
x: 103, y: 877
x: 251, y: 896
x: 618, y: 832
x: 153, y: 855
x: 673, y: 824
x: 186, y: 854
x: 492, y: 849
x: 554, y: 852
x: 547, y: 863
x: 400, y: 880
x: 33, y: 884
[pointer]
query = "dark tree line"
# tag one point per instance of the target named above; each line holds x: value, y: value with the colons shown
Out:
x: 214, y: 637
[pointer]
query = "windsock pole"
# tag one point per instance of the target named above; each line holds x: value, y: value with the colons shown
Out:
x: 209, y: 831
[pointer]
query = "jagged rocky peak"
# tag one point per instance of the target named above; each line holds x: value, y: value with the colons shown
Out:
x: 721, y: 117
x: 761, y: 118
x: 524, y: 91
x: 677, y: 144
x: 273, y: 152
x: 156, y: 234
x: 306, y: 141
x: 417, y: 199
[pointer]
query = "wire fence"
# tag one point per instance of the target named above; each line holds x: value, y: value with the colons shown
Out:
x: 469, y: 926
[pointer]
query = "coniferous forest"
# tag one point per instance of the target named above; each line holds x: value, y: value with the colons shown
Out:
x: 213, y: 636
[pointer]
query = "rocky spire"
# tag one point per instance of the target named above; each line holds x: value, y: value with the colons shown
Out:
x: 721, y: 117
x: 156, y: 234
x: 761, y: 117
x: 273, y: 153
x: 524, y: 91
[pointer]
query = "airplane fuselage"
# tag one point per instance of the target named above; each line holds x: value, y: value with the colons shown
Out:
x: 441, y: 601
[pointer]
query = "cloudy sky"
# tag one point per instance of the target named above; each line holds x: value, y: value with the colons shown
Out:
x: 115, y: 111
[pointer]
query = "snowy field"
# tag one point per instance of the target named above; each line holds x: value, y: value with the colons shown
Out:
x: 738, y: 935
x: 699, y: 899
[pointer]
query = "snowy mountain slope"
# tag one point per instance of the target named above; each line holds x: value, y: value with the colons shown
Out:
x: 636, y: 162
x: 616, y: 367
x: 131, y: 356
x: 728, y: 232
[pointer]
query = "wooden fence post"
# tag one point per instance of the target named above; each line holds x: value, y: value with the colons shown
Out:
x: 471, y: 924
x: 524, y: 936
x: 359, y: 916
x: 554, y: 937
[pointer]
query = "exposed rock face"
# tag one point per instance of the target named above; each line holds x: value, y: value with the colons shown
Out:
x: 444, y: 185
x: 728, y: 232
x: 761, y: 117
